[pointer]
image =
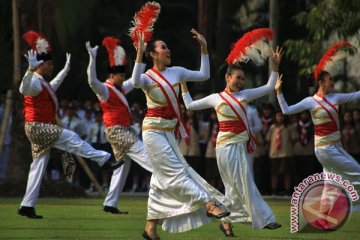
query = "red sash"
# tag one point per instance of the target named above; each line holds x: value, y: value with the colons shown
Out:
x: 240, y: 112
x: 171, y: 97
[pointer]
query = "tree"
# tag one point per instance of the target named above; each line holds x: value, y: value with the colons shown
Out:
x: 29, y: 19
x: 323, y: 20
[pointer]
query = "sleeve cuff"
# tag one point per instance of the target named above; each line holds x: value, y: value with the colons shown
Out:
x: 274, y: 74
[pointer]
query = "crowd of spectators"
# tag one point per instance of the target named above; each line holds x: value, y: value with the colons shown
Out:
x: 284, y: 155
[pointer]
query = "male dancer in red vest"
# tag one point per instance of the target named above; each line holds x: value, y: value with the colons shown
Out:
x: 40, y: 107
x: 117, y: 116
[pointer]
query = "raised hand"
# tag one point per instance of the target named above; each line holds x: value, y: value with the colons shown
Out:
x: 92, y: 51
x: 277, y: 55
x: 278, y: 84
x: 200, y: 38
x: 33, y: 62
x: 67, y: 64
x: 140, y: 45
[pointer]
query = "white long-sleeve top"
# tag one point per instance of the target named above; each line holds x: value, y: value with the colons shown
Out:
x: 31, y: 85
x: 225, y: 113
x: 155, y: 97
x: 37, y: 106
x: 101, y: 89
x: 176, y: 74
x: 318, y: 114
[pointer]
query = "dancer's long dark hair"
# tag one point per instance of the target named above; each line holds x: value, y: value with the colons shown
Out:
x: 150, y: 47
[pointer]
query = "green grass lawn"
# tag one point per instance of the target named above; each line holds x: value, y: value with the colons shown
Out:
x: 84, y: 219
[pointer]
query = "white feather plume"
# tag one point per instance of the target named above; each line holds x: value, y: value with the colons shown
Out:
x: 119, y: 56
x: 41, y: 45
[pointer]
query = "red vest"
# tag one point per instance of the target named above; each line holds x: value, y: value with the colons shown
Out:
x: 40, y: 108
x: 115, y: 112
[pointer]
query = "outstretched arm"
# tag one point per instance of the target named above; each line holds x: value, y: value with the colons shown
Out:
x: 299, y: 107
x: 29, y: 84
x: 204, y: 103
x: 57, y: 81
x: 98, y: 87
x: 251, y: 94
x: 346, y: 97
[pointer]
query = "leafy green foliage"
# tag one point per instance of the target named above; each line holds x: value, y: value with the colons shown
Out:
x: 335, y: 19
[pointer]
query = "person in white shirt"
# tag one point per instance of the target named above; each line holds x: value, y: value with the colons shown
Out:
x: 117, y: 114
x: 40, y: 108
x: 88, y: 121
x: 74, y: 123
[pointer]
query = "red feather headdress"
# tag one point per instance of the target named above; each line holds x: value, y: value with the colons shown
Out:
x: 144, y: 21
x: 253, y: 45
x: 332, y: 57
x: 117, y: 55
x: 37, y: 42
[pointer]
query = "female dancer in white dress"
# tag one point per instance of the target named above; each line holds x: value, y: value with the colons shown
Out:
x: 177, y: 193
x: 232, y: 149
x: 323, y: 107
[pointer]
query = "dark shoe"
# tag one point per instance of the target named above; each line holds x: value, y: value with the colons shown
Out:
x: 28, y: 212
x: 220, y: 215
x: 147, y: 237
x: 273, y: 225
x: 111, y: 164
x: 113, y: 210
x: 228, y: 233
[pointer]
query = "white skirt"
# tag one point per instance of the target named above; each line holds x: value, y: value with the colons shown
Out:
x: 335, y: 159
x: 177, y: 193
x: 247, y: 205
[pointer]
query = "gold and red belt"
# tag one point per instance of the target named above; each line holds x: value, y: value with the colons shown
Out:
x: 232, y: 126
x: 324, y: 129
